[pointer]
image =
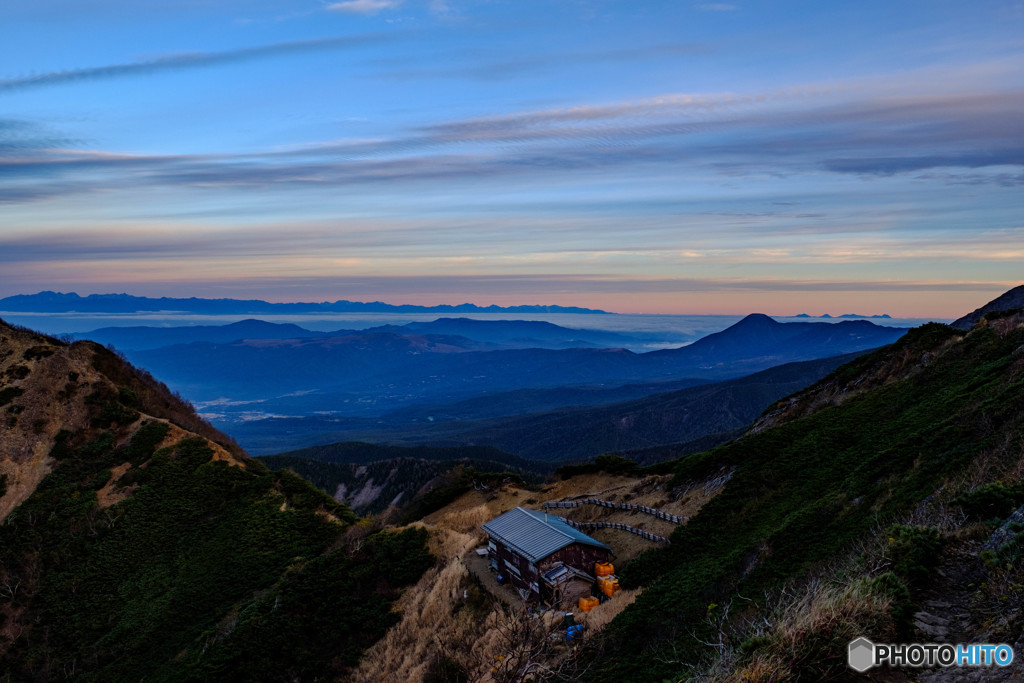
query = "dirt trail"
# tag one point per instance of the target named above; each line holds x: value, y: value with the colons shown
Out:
x: 969, y: 603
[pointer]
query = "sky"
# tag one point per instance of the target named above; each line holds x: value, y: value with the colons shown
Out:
x: 646, y: 156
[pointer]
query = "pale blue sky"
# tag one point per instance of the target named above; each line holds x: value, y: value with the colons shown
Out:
x: 633, y: 156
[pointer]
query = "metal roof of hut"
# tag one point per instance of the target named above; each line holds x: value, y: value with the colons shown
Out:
x: 534, y: 534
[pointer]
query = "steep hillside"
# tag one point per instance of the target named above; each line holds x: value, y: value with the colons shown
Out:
x: 48, y: 387
x: 139, y: 543
x: 868, y: 372
x: 372, y: 479
x: 834, y: 516
x: 665, y: 418
x: 1009, y: 300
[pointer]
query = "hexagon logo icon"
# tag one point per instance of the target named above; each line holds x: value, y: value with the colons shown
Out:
x: 861, y: 655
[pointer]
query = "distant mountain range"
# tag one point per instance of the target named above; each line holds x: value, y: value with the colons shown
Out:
x: 883, y: 316
x: 506, y: 334
x: 412, y: 383
x: 58, y: 302
x: 381, y: 371
x: 529, y: 387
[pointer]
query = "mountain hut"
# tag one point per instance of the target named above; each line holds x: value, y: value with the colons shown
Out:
x: 541, y: 555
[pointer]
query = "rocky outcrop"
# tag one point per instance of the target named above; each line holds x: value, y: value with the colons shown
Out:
x: 1011, y: 300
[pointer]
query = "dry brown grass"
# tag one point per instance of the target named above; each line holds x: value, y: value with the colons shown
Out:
x: 651, y: 491
x: 409, y: 648
x: 175, y: 434
x: 805, y: 636
x: 819, y: 625
x: 602, y: 615
x: 801, y: 632
x: 465, y: 520
x: 595, y: 483
x: 111, y: 493
x: 50, y: 401
x: 446, y: 616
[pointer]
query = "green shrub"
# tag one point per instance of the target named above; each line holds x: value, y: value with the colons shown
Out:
x: 989, y: 501
x: 145, y: 441
x: 996, y: 315
x: 8, y: 394
x: 114, y: 412
x: 18, y: 371
x: 608, y: 463
x: 914, y: 550
x: 1011, y: 552
x: 38, y: 352
x: 446, y: 670
x: 128, y: 397
x: 903, y: 607
x: 61, y: 448
x: 453, y: 484
x: 101, y: 479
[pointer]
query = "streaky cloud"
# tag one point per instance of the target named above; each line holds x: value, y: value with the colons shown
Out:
x: 363, y: 6
x: 356, y: 286
x: 1000, y: 179
x: 18, y: 137
x: 777, y: 133
x: 188, y: 60
x: 471, y: 66
x: 893, y: 165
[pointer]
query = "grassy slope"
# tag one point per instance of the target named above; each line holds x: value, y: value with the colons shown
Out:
x: 206, y: 566
x: 182, y: 579
x: 804, y: 491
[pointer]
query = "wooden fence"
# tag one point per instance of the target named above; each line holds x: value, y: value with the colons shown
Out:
x: 675, y: 519
x: 615, y: 525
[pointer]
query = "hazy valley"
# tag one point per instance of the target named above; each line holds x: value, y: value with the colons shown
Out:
x: 517, y: 385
